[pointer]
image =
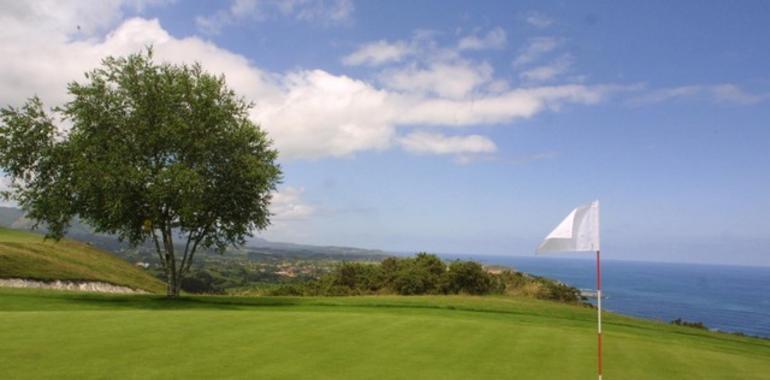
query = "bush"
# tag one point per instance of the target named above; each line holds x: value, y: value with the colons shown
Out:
x: 200, y: 281
x: 682, y: 322
x: 413, y: 280
x: 468, y: 277
x: 422, y: 275
x: 426, y: 274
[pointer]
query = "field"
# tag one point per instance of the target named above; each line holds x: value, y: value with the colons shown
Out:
x: 27, y: 255
x: 48, y: 334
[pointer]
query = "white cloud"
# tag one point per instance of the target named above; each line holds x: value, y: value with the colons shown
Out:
x: 498, y: 108
x: 292, y: 216
x: 324, y: 12
x: 65, y: 19
x: 536, y: 48
x: 730, y: 93
x: 318, y: 114
x: 450, y: 80
x: 377, y: 53
x: 436, y: 143
x: 308, y: 113
x: 498, y: 86
x: 288, y: 205
x: 494, y: 39
x: 549, y: 71
x: 720, y: 93
x: 539, y: 20
x: 464, y: 159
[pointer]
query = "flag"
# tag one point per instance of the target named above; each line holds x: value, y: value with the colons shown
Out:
x: 579, y: 231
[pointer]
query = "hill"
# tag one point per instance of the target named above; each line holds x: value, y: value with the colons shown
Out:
x: 11, y: 217
x: 443, y: 337
x: 27, y: 255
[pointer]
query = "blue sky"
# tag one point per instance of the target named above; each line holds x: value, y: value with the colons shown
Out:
x: 467, y: 127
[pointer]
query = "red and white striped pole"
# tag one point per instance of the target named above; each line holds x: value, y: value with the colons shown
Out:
x: 599, y: 308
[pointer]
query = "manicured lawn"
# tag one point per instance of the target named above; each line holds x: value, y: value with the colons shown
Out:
x: 45, y: 334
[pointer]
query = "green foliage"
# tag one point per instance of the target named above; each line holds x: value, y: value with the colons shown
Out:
x: 426, y: 274
x: 468, y: 277
x: 695, y: 325
x: 201, y: 281
x: 155, y: 151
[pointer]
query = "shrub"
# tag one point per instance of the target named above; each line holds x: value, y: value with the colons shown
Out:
x: 682, y: 322
x: 468, y: 277
x: 200, y: 281
x: 426, y: 274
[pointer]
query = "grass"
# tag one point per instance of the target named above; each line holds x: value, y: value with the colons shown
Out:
x: 47, y: 334
x: 27, y: 255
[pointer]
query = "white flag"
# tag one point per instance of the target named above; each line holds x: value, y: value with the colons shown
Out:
x: 579, y: 231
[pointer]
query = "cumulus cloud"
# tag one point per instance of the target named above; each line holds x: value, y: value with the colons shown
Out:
x: 720, y: 93
x: 308, y: 113
x: 317, y: 114
x: 377, y: 53
x: 64, y: 19
x: 536, y: 48
x: 494, y: 39
x: 324, y: 12
x: 436, y: 143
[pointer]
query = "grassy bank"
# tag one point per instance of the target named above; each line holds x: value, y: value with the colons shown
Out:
x: 27, y: 255
x: 69, y: 335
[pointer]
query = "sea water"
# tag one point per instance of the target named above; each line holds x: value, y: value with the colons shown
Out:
x: 725, y: 298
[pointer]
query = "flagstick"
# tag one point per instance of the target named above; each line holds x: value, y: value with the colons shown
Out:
x: 599, y: 307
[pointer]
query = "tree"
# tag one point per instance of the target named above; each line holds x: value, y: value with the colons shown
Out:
x: 155, y: 152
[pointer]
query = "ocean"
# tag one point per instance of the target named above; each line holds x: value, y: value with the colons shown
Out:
x: 725, y: 298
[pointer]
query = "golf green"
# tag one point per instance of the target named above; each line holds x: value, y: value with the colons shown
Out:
x: 48, y: 334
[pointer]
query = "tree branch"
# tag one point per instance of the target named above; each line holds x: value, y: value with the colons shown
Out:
x: 186, y: 250
x: 158, y: 251
x: 194, y: 248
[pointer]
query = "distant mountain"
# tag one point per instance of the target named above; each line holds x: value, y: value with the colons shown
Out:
x: 14, y: 218
x: 258, y: 243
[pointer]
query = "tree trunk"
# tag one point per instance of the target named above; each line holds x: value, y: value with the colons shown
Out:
x: 172, y: 282
x: 172, y: 285
x: 175, y: 274
x: 172, y: 279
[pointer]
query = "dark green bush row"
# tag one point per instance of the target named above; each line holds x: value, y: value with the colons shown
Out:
x: 426, y: 274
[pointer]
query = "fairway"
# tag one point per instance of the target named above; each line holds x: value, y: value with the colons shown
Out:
x: 47, y: 334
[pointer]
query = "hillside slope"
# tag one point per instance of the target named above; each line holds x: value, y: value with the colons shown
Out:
x: 27, y: 255
x: 378, y: 337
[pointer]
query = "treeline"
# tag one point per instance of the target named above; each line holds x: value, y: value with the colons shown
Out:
x: 220, y: 277
x: 426, y: 274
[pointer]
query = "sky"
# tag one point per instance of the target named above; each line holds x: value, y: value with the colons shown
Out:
x: 465, y: 127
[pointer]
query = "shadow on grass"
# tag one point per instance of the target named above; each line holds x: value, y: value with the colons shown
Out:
x: 156, y: 302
